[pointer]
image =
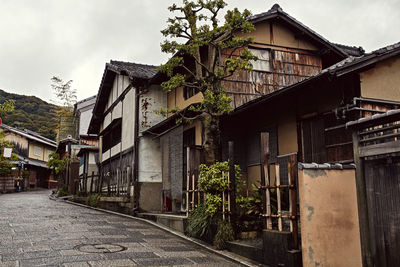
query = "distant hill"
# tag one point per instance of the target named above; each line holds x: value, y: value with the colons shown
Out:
x: 31, y: 113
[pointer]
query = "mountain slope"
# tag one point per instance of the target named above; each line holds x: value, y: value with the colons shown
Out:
x: 31, y: 113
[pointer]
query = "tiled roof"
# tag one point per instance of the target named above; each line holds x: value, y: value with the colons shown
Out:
x: 367, y: 56
x: 276, y: 11
x: 351, y: 50
x: 134, y: 70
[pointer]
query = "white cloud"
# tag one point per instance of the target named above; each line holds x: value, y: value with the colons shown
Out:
x: 75, y: 38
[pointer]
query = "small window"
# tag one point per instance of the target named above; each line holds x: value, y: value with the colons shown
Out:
x: 37, y: 151
x: 263, y: 61
x: 112, y: 137
x: 188, y: 92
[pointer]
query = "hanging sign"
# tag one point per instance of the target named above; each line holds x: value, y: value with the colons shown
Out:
x: 7, y: 152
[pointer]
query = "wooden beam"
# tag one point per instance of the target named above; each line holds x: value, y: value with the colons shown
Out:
x: 264, y: 157
x: 379, y: 149
x: 365, y: 236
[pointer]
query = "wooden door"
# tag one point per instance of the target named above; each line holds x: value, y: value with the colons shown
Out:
x: 382, y: 178
x: 32, y: 179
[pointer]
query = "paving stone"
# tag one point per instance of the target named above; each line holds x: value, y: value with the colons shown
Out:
x: 36, y: 231
x: 130, y: 255
x: 112, y: 263
x: 179, y: 248
x: 202, y: 259
x: 30, y: 255
x: 10, y: 264
x: 163, y: 261
x: 76, y: 264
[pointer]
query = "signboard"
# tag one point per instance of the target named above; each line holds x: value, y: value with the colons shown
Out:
x: 7, y: 152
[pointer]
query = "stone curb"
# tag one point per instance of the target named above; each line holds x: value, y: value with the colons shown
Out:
x: 224, y: 254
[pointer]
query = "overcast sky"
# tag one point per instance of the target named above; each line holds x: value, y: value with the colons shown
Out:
x: 73, y: 39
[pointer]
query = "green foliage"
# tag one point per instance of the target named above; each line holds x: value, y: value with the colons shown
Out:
x: 63, y: 191
x: 56, y: 164
x: 5, y: 165
x: 7, y: 106
x: 213, y: 180
x: 30, y: 113
x: 65, y: 94
x: 224, y: 234
x: 196, y: 40
x: 93, y: 200
x: 199, y: 222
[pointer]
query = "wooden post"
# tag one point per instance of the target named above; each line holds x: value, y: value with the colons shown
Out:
x: 187, y: 179
x: 265, y: 179
x: 232, y: 182
x: 223, y: 204
x: 278, y: 196
x: 365, y: 235
x: 229, y: 198
x: 108, y: 184
x: 118, y: 183
x: 293, y: 201
x: 193, y: 188
x: 91, y: 182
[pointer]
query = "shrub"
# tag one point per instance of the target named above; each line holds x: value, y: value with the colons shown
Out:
x: 199, y: 222
x: 224, y: 234
x: 63, y: 191
x: 93, y: 200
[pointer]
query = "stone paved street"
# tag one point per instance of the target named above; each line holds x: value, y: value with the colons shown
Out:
x: 36, y: 231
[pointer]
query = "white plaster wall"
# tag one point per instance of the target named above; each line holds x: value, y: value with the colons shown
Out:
x: 115, y: 149
x: 149, y: 160
x: 84, y: 121
x: 107, y: 120
x: 128, y: 120
x: 92, y: 159
x: 114, y: 90
x: 149, y: 103
x: 105, y: 155
x: 117, y: 111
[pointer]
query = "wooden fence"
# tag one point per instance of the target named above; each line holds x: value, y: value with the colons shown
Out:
x: 116, y: 185
x: 195, y: 196
x: 269, y: 189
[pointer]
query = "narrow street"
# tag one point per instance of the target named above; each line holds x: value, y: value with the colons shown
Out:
x: 36, y: 231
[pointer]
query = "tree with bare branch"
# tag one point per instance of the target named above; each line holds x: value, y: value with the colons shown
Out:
x: 205, y: 53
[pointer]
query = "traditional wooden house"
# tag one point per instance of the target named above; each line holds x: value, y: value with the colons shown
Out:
x: 306, y: 122
x: 126, y: 105
x: 288, y: 52
x: 33, y: 151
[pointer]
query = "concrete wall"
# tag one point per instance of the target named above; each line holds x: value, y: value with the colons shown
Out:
x: 149, y: 148
x: 382, y: 81
x: 149, y: 103
x: 329, y: 218
x: 149, y: 160
x: 150, y: 196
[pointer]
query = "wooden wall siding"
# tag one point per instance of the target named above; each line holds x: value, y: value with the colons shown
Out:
x: 285, y: 68
x: 383, y: 198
